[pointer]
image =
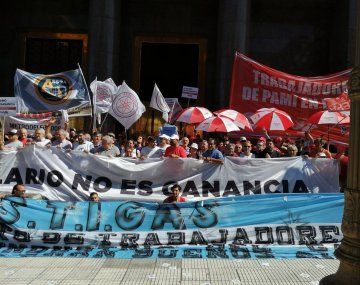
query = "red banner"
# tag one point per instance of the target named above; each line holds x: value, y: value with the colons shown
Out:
x: 255, y: 86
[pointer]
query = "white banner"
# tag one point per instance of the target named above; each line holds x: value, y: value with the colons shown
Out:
x: 9, y: 106
x: 60, y: 175
x: 29, y: 124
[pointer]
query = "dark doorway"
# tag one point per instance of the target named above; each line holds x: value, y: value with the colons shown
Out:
x: 171, y: 66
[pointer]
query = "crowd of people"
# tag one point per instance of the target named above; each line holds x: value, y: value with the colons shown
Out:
x: 208, y: 149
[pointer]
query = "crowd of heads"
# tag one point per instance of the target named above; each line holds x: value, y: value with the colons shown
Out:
x: 207, y: 148
x: 211, y: 149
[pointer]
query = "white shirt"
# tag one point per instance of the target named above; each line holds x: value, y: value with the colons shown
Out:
x: 85, y: 146
x: 65, y: 144
x: 43, y: 142
x: 251, y: 155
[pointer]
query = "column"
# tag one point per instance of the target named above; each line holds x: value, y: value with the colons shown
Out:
x: 349, y: 251
x: 233, y: 33
x: 104, y: 40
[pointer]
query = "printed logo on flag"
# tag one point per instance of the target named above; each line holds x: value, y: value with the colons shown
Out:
x: 125, y: 105
x: 53, y: 89
x: 161, y: 103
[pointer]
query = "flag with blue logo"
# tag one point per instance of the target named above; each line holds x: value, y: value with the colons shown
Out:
x: 53, y: 92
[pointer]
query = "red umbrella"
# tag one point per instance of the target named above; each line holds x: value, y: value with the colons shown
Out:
x: 239, y: 119
x: 217, y: 125
x: 193, y: 115
x: 272, y: 119
x: 329, y: 118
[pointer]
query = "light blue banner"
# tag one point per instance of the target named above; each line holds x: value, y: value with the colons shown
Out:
x: 283, y: 226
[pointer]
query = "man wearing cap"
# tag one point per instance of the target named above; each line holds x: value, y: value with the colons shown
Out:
x: 194, y: 151
x: 13, y: 142
x: 164, y: 143
x: 210, y: 153
x: 175, y: 150
x: 151, y: 150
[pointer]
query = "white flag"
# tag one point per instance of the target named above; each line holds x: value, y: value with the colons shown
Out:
x: 103, y: 92
x: 158, y: 102
x: 126, y: 106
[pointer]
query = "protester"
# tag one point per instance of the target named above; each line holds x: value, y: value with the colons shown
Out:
x: 82, y: 144
x: 269, y: 151
x: 151, y: 150
x: 164, y: 143
x: 221, y: 147
x: 18, y: 190
x: 94, y: 197
x: 292, y: 150
x: 61, y: 141
x: 72, y: 135
x: 319, y: 151
x: 130, y: 145
x: 175, y: 150
x: 194, y: 151
x: 260, y: 146
x: 230, y: 150
x: 106, y: 148
x: 13, y: 142
x: 139, y: 144
x: 210, y: 153
x: 40, y: 139
x: 238, y: 147
x: 97, y: 138
x: 175, y: 196
x: 247, y: 151
x: 24, y: 136
x: 185, y: 145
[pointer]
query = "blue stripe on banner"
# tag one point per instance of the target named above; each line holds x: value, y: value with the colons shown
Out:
x: 228, y: 212
x: 278, y: 225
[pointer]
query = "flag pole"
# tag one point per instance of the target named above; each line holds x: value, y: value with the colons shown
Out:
x: 87, y: 89
x: 94, y: 104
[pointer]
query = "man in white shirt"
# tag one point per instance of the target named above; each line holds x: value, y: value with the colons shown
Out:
x: 82, y: 144
x: 13, y: 142
x: 40, y: 139
x: 164, y: 143
x: 151, y: 150
x: 61, y: 141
